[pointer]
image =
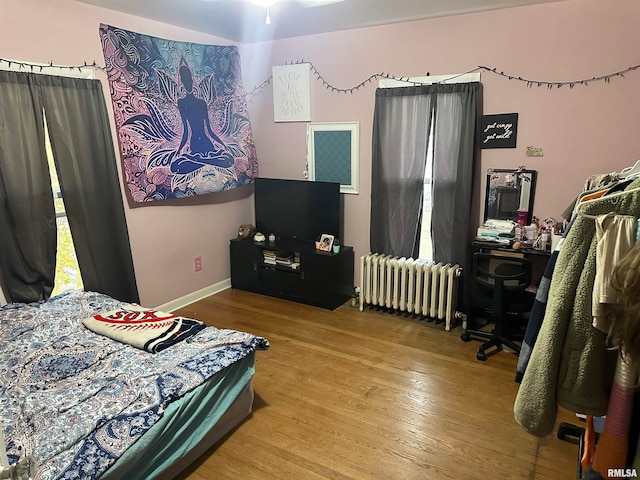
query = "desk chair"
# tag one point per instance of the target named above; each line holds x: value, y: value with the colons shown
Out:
x: 498, y: 286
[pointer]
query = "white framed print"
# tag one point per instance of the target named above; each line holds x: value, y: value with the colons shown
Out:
x: 291, y: 93
x: 333, y: 154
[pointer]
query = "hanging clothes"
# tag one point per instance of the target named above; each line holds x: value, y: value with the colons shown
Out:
x: 569, y: 364
x: 617, y: 448
x: 615, y: 236
x: 613, y: 444
x: 599, y: 180
x: 589, y: 444
x: 595, y: 183
x: 537, y: 316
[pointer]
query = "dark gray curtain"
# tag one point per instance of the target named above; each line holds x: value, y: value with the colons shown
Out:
x: 456, y: 120
x: 400, y: 138
x: 27, y: 217
x: 82, y: 146
x: 401, y: 125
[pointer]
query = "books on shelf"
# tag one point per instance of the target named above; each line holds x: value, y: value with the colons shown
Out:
x: 283, y: 259
x: 269, y: 257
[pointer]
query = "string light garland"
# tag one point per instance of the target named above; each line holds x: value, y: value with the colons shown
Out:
x: 541, y: 83
x: 530, y: 83
x: 39, y: 68
x: 259, y: 88
x: 326, y: 84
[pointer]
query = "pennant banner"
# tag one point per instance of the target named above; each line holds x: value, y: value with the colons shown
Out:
x: 181, y: 115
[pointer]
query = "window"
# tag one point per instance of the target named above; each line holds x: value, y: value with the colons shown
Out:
x: 67, y: 270
x: 426, y: 243
x: 416, y: 212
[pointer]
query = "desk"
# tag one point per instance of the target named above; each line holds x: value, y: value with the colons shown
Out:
x: 478, y: 246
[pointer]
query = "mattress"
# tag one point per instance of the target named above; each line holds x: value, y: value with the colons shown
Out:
x: 80, y: 405
x: 190, y: 426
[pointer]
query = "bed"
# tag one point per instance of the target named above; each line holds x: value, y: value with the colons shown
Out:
x: 76, y: 404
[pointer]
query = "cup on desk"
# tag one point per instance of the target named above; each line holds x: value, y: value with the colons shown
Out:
x: 530, y: 234
x: 555, y: 240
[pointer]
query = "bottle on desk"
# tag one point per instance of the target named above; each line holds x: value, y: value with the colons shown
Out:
x: 543, y: 242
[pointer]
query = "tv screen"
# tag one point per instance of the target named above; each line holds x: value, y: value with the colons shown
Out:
x: 297, y: 209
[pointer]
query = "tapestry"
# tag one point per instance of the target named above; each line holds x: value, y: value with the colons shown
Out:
x: 181, y: 115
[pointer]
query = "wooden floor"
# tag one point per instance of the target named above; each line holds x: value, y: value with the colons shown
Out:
x: 372, y: 395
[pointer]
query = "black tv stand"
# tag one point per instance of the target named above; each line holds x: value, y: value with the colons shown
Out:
x: 293, y: 270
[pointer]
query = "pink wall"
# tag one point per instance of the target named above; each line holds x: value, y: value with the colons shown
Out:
x: 583, y: 131
x: 164, y: 239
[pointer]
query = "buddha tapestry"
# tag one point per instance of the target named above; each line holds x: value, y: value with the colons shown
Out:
x: 181, y: 115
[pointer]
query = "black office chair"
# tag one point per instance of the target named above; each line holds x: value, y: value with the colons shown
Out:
x: 498, y: 294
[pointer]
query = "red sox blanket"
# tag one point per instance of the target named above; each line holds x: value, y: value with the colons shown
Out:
x: 149, y: 330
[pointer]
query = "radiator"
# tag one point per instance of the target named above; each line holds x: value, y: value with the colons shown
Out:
x: 407, y: 285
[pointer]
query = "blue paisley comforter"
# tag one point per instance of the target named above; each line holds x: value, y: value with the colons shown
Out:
x: 73, y: 401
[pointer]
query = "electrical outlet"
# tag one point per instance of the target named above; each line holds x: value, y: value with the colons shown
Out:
x: 197, y: 263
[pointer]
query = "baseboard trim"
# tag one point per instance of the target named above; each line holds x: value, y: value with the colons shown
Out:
x: 195, y: 296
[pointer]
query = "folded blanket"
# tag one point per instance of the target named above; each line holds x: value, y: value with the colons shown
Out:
x: 149, y: 330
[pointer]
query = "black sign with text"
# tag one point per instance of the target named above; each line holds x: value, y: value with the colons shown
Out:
x: 499, y: 131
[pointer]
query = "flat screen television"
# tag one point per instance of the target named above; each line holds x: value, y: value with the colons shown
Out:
x: 297, y: 209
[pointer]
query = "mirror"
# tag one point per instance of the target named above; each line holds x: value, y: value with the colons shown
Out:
x: 509, y: 195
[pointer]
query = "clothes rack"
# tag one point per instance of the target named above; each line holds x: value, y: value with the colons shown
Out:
x: 630, y: 172
x: 613, y: 199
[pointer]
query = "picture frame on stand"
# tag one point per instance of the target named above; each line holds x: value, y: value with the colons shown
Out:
x: 326, y: 243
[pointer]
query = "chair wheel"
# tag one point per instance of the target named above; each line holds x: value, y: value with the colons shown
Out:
x: 465, y: 337
x: 481, y: 356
